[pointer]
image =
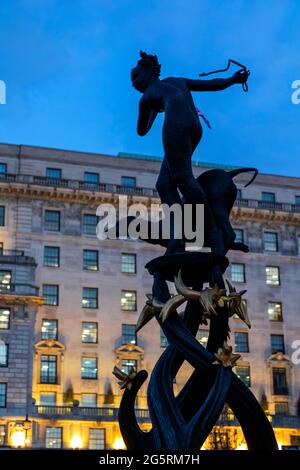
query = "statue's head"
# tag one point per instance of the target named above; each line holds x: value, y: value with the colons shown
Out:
x: 145, y: 71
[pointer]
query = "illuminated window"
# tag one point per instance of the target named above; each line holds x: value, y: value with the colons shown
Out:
x: 268, y: 197
x: 89, y: 297
x: 89, y: 400
x: 4, y: 318
x: 128, y: 263
x: 48, y: 369
x: 2, y: 216
x: 239, y: 235
x: 280, y: 386
x: 128, y: 334
x: 128, y: 181
x: 49, y: 329
x: 275, y: 311
x: 5, y: 281
x: 272, y: 276
x: 243, y: 374
x: 89, y: 368
x: 238, y: 272
x: 2, y: 434
x: 3, y: 354
x: 89, y: 332
x: 53, y: 173
x: 52, y: 221
x: 270, y: 241
x: 47, y: 398
x: 128, y: 300
x: 277, y: 344
x: 50, y: 294
x: 51, y: 256
x: 163, y: 339
x: 202, y: 337
x: 295, y: 440
x: 89, y: 224
x: 96, y: 439
x: 90, y: 260
x: 127, y: 364
x: 3, y: 392
x: 53, y: 438
x: 241, y: 342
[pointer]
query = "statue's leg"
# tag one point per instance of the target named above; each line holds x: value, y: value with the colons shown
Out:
x: 169, y: 195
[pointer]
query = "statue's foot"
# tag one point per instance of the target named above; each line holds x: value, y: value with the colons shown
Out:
x: 216, y: 242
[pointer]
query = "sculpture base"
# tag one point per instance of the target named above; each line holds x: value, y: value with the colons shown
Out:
x: 195, y: 266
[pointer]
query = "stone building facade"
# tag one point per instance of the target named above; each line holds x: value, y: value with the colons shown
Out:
x: 69, y: 302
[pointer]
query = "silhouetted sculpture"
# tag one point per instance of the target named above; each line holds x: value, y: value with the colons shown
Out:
x: 184, y: 422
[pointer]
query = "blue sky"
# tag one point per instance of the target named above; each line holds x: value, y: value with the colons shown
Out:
x: 67, y: 65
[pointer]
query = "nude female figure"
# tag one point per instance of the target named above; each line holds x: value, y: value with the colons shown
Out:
x: 182, y: 132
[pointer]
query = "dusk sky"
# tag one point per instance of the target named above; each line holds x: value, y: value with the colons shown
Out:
x: 66, y: 65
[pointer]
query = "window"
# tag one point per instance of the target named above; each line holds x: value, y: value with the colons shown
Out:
x: 272, y: 276
x: 48, y: 371
x: 89, y: 297
x: 49, y: 329
x: 202, y: 337
x: 3, y: 392
x: 2, y: 216
x: 279, y: 381
x: 295, y: 440
x: 50, y: 294
x: 52, y: 221
x: 270, y: 241
x: 128, y: 300
x: 297, y: 200
x: 298, y: 239
x: 48, y: 398
x: 2, y: 434
x: 3, y: 354
x: 89, y: 224
x: 96, y: 439
x: 90, y: 260
x: 277, y: 344
x: 89, y: 400
x: 127, y: 364
x: 238, y: 272
x: 163, y: 340
x: 239, y: 194
x: 4, y: 318
x: 128, y: 181
x: 268, y: 197
x: 128, y: 334
x: 243, y: 373
x: 5, y: 280
x: 281, y: 408
x: 92, y: 178
x: 53, y: 439
x: 51, y: 256
x: 54, y: 173
x: 3, y: 168
x: 89, y: 332
x: 89, y: 368
x: 275, y: 311
x: 239, y: 235
x: 241, y: 342
x: 128, y: 263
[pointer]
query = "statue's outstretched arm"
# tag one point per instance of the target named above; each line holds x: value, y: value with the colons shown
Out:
x: 146, y: 118
x: 216, y: 84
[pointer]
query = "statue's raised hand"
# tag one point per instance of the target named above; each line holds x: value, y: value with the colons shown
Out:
x: 241, y: 76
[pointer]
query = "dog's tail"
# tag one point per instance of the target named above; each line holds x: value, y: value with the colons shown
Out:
x: 236, y: 172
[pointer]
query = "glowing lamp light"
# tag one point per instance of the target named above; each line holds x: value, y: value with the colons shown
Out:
x: 18, y: 438
x: 76, y: 442
x: 119, y: 444
x: 241, y: 447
